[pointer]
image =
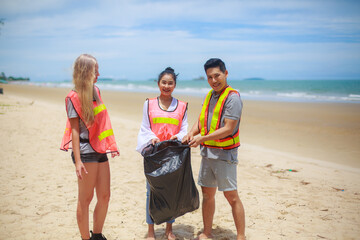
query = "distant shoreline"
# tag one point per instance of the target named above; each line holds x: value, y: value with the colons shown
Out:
x: 346, y: 91
x: 4, y: 79
x: 254, y: 79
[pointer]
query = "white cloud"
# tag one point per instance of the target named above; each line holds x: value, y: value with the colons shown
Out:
x: 15, y: 7
x: 251, y: 36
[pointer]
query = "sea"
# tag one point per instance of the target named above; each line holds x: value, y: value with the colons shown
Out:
x: 344, y: 91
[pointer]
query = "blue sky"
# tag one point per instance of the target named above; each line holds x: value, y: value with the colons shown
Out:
x: 135, y: 40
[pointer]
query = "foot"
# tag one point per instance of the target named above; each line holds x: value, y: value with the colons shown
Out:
x: 97, y: 236
x: 241, y: 237
x: 204, y: 236
x: 151, y: 232
x: 170, y: 236
x: 150, y: 236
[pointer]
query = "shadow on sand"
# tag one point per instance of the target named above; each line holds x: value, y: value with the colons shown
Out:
x: 184, y: 232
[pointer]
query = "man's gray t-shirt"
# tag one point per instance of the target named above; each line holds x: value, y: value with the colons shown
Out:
x: 232, y: 110
x: 85, y: 147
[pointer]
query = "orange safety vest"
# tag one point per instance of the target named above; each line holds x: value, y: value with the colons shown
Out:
x: 101, y: 135
x: 165, y: 124
x: 229, y: 142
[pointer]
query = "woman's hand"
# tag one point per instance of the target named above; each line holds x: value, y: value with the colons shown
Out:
x: 173, y: 138
x: 79, y: 168
x: 115, y: 154
x: 155, y: 141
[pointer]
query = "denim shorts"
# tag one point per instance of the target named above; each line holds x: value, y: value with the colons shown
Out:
x: 91, y: 157
x: 218, y: 173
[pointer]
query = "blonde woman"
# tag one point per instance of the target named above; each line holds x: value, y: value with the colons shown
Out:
x: 89, y: 133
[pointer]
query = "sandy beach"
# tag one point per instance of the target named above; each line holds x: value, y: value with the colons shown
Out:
x: 298, y: 171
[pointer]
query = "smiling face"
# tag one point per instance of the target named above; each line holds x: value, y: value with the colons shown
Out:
x: 217, y: 78
x: 166, y: 85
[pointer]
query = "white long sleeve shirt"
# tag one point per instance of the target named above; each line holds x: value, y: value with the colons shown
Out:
x: 145, y: 134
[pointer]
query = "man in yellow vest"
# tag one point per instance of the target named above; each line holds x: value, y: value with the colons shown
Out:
x: 218, y: 126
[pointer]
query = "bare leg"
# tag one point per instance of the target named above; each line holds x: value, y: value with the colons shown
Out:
x: 169, y: 233
x: 238, y: 212
x: 103, y: 196
x: 208, y: 210
x: 151, y: 232
x: 85, y: 194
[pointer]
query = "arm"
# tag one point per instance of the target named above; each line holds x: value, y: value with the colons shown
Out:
x: 79, y: 166
x: 193, y: 132
x: 145, y: 135
x: 232, y: 114
x: 183, y: 129
x: 226, y: 130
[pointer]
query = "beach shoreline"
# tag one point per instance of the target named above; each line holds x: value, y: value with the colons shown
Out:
x: 289, y: 174
x: 321, y: 131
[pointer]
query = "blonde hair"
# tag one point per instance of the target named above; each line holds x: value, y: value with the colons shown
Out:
x: 83, y: 79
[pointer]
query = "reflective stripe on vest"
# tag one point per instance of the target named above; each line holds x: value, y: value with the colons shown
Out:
x: 165, y: 124
x: 225, y: 143
x: 166, y: 120
x: 105, y: 134
x: 204, y: 114
x: 99, y: 109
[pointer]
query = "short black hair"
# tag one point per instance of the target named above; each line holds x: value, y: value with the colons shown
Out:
x: 215, y: 62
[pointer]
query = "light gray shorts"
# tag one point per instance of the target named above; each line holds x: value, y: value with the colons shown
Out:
x: 217, y: 173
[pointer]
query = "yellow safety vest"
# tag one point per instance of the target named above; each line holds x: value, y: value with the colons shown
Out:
x: 229, y: 142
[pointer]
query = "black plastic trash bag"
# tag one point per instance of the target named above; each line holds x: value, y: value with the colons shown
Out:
x: 167, y: 167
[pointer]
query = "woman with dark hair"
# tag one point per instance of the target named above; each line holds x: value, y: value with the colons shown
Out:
x: 164, y: 118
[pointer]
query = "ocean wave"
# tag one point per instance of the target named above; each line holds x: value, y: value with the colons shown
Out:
x: 319, y: 97
x: 201, y: 89
x: 192, y: 91
x: 355, y: 96
x: 297, y: 95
